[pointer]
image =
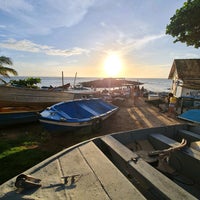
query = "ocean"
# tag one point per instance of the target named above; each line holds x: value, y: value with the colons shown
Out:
x: 151, y: 84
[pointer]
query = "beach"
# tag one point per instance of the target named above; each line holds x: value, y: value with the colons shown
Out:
x: 129, y: 117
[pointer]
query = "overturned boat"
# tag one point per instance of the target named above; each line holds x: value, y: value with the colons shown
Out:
x: 75, y: 114
x: 192, y: 115
x: 154, y: 163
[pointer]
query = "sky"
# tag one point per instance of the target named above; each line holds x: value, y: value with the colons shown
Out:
x: 106, y: 38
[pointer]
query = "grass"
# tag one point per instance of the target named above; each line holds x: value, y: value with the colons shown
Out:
x: 23, y: 147
x: 20, y: 153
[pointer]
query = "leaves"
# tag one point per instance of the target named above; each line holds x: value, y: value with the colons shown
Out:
x: 4, y: 71
x: 29, y: 82
x: 185, y: 24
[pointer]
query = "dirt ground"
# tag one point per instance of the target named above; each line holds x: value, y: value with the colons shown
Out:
x: 128, y: 117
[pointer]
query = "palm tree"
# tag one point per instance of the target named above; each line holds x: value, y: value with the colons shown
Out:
x: 4, y: 71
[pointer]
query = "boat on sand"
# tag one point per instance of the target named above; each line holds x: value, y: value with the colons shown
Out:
x: 192, y: 115
x: 17, y: 96
x: 18, y: 115
x: 152, y: 163
x: 75, y: 114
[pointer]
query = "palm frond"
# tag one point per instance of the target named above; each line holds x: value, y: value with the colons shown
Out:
x: 5, y: 70
x: 5, y: 60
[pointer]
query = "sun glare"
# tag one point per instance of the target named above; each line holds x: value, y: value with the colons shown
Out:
x: 112, y: 65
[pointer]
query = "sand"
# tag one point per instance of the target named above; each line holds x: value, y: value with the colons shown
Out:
x: 129, y: 117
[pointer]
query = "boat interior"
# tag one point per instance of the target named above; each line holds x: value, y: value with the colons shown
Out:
x: 84, y: 108
x: 159, y: 162
x: 154, y: 163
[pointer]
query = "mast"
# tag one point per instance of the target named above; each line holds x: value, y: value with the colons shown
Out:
x: 75, y: 79
x: 62, y: 80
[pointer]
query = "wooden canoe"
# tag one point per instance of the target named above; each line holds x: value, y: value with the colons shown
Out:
x: 16, y: 96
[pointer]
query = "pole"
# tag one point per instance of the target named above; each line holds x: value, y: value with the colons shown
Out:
x: 75, y: 79
x: 62, y: 80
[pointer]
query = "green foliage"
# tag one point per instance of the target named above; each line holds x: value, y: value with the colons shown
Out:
x: 19, y: 154
x: 29, y: 82
x: 4, y: 71
x: 185, y: 24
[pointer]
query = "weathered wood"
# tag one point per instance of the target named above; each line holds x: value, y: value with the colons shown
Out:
x: 159, y: 140
x: 157, y: 183
x: 115, y: 184
x: 180, y: 160
x: 82, y: 173
x: 188, y: 135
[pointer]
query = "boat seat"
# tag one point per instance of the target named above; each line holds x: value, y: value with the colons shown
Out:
x: 188, y: 135
x: 88, y: 109
x: 63, y: 114
x: 181, y: 159
x: 155, y: 184
x: 110, y: 178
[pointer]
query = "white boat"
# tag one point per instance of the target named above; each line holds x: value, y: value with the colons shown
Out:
x: 153, y: 163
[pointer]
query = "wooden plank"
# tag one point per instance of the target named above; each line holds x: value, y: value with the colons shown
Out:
x: 156, y: 181
x: 188, y: 135
x: 116, y: 185
x: 182, y: 160
x: 168, y: 142
x: 82, y: 182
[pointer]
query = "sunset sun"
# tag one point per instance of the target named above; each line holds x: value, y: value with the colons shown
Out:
x: 112, y: 65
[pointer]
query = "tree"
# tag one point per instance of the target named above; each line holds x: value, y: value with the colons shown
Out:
x: 185, y: 24
x: 4, y: 71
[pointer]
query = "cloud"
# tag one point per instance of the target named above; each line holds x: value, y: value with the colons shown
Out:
x: 130, y: 44
x: 39, y: 17
x: 28, y: 46
x: 13, y: 5
x: 123, y: 44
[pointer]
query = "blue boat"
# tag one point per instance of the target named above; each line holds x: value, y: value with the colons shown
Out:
x: 17, y: 117
x: 75, y: 114
x: 192, y: 115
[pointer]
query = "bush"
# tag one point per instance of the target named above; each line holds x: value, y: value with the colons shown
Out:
x: 29, y: 82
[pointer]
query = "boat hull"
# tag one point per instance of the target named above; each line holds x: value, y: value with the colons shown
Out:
x: 192, y: 115
x: 109, y: 167
x: 14, y: 118
x: 76, y: 114
x: 14, y: 96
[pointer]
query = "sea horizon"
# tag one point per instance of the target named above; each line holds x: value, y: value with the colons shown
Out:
x: 151, y: 84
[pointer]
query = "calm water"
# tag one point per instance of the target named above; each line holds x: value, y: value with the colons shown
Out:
x: 151, y: 84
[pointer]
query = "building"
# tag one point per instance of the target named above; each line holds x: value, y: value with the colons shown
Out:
x: 185, y: 76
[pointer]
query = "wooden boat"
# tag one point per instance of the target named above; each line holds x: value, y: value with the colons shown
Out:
x: 16, y: 96
x: 140, y: 164
x: 19, y: 115
x: 192, y: 115
x: 75, y: 114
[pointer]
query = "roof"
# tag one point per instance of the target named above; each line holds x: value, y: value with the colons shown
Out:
x: 188, y: 70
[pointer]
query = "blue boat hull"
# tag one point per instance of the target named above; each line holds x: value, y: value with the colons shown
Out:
x: 76, y: 114
x: 7, y: 119
x: 191, y: 115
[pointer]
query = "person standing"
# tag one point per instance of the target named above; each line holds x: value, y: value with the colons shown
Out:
x: 172, y: 105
